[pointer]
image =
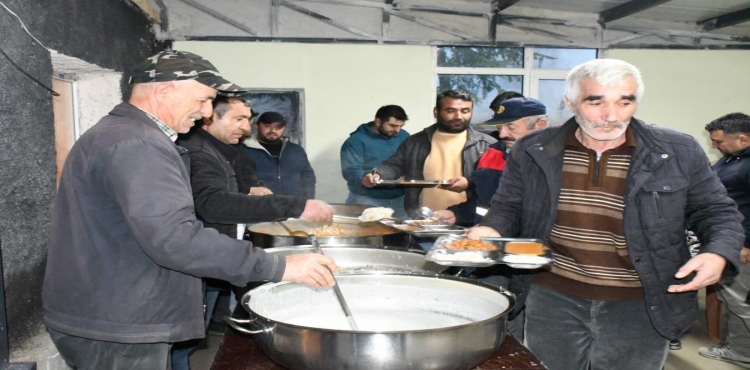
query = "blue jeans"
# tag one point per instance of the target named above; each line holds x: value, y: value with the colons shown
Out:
x: 572, y: 333
x: 515, y: 325
x: 180, y: 356
x: 397, y: 204
x: 735, y: 294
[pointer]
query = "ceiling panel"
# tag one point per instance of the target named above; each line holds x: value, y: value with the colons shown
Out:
x: 572, y: 23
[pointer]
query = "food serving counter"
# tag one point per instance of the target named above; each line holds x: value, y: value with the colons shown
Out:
x: 238, y: 351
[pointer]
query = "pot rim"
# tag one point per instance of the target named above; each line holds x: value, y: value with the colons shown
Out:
x: 273, y: 323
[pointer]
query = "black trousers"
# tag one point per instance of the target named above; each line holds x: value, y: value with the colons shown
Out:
x: 88, y: 354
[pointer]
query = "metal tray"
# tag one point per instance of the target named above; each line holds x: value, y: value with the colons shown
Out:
x: 521, y: 261
x: 424, y: 231
x: 469, y: 258
x: 414, y: 183
x: 483, y: 258
x: 438, y: 230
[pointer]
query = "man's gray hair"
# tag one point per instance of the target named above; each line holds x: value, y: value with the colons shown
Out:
x: 532, y: 120
x: 605, y: 72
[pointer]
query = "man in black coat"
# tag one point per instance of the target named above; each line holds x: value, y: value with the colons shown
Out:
x: 225, y: 187
x: 220, y: 178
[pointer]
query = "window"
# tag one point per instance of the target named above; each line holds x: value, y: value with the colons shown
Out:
x: 485, y: 72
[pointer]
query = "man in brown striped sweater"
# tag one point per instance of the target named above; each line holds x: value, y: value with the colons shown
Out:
x: 611, y: 196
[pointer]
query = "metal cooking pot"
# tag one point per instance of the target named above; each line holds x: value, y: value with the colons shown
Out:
x: 367, y: 258
x: 351, y: 210
x: 406, y: 321
x: 271, y: 234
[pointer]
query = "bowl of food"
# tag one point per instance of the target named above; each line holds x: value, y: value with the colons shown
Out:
x: 458, y: 250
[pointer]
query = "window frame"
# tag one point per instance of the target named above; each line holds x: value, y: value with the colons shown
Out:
x: 530, y: 75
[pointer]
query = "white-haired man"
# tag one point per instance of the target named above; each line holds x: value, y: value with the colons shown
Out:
x: 611, y: 196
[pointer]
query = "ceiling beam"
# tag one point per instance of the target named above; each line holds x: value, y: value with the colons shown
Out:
x: 627, y: 9
x: 726, y: 20
x: 625, y: 39
x: 431, y: 24
x: 368, y: 4
x: 492, y: 31
x: 430, y: 9
x: 220, y: 16
x: 500, y: 5
x: 325, y: 19
x: 385, y: 26
x: 537, y: 31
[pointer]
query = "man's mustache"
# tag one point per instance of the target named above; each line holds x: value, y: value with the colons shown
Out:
x: 608, y: 125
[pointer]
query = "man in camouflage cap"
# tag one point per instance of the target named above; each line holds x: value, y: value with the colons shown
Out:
x: 174, y: 65
x: 126, y: 254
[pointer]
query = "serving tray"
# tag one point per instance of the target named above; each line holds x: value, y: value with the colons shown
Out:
x: 414, y: 183
x: 508, y: 251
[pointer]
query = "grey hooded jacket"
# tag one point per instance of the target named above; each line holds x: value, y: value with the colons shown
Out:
x: 670, y: 184
x: 126, y: 253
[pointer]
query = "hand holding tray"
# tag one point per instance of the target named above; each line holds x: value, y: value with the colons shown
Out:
x: 412, y: 183
x: 457, y: 250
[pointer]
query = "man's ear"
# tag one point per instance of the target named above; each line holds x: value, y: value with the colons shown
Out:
x: 744, y: 140
x: 568, y: 104
x: 163, y: 90
x: 435, y: 112
x: 378, y: 122
x: 542, y: 123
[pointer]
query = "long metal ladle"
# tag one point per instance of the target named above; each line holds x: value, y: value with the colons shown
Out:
x: 336, y: 288
x: 297, y: 233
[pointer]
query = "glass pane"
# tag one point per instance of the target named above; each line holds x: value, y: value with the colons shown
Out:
x: 561, y: 58
x: 465, y: 56
x: 551, y: 94
x: 482, y: 88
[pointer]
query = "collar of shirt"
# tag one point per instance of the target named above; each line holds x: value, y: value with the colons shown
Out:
x: 171, y: 134
x: 630, y: 140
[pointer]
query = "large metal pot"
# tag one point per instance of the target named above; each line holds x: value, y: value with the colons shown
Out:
x: 271, y: 234
x: 366, y: 258
x: 351, y: 210
x: 406, y: 321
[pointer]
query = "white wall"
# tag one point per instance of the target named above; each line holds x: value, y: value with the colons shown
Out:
x: 97, y: 93
x: 686, y: 89
x: 343, y: 87
x: 345, y: 84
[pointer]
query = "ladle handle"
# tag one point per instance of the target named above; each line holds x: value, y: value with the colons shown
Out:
x: 288, y: 230
x: 336, y: 288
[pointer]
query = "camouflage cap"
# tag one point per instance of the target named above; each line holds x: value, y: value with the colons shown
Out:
x: 175, y: 65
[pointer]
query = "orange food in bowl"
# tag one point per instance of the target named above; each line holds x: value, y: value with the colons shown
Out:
x: 467, y: 244
x: 528, y: 248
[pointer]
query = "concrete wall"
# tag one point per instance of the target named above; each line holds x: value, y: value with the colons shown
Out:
x: 109, y: 34
x: 686, y: 89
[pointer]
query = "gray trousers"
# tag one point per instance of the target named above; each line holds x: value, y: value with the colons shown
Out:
x: 88, y: 354
x: 734, y: 294
x: 573, y: 333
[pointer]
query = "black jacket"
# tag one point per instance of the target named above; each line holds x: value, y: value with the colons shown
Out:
x: 669, y: 185
x: 734, y: 172
x: 221, y: 193
x: 408, y: 161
